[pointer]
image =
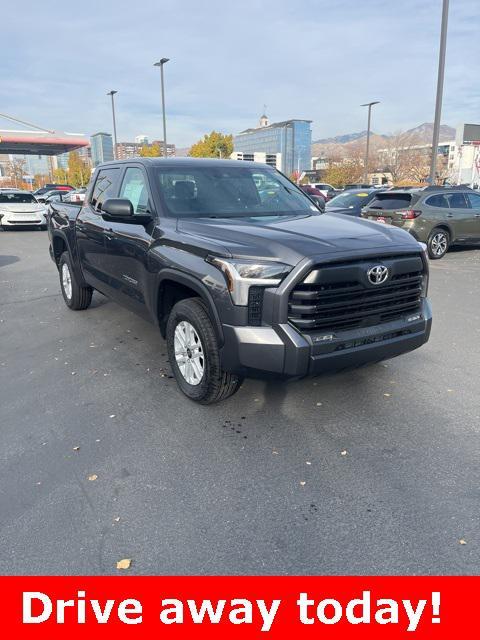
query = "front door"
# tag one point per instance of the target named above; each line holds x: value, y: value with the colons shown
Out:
x: 90, y: 229
x: 474, y: 200
x: 460, y: 215
x: 127, y: 244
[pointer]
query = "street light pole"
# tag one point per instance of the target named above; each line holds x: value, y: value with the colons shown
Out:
x: 160, y: 64
x: 111, y: 94
x: 369, y: 105
x: 438, y: 103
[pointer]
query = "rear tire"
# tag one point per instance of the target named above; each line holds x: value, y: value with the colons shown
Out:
x: 438, y: 243
x: 194, y: 354
x: 76, y: 297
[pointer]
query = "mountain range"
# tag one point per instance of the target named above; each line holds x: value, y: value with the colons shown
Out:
x: 419, y: 135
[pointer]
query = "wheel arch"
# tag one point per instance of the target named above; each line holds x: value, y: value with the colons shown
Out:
x: 172, y: 287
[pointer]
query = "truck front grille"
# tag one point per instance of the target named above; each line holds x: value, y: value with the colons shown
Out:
x: 339, y: 296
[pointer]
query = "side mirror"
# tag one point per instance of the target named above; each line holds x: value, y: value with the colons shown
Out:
x: 117, y: 208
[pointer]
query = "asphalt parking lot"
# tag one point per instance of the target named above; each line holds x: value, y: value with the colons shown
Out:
x: 375, y: 471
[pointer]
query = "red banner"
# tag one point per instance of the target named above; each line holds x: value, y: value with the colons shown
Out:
x: 239, y: 607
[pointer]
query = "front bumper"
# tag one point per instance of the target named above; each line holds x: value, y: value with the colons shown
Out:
x: 282, y: 350
x: 23, y: 220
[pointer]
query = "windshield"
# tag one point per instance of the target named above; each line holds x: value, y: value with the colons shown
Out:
x: 224, y: 192
x: 16, y: 198
x: 351, y: 200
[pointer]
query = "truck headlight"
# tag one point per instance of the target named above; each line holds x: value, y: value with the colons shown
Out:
x: 240, y: 275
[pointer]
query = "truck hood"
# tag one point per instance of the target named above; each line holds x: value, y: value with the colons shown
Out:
x: 292, y: 238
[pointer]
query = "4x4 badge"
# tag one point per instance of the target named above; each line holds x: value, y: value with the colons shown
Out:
x: 377, y: 274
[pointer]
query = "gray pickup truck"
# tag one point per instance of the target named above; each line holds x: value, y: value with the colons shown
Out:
x: 240, y: 271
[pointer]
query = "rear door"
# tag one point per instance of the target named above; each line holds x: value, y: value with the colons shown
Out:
x: 91, y: 228
x: 127, y: 244
x: 460, y: 216
x: 474, y: 200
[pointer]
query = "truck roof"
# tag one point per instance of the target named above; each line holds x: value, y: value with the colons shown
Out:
x: 176, y: 162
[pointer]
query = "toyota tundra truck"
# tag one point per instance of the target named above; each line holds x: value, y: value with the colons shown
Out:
x: 241, y: 278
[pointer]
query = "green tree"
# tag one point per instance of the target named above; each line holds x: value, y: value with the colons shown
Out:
x: 151, y: 151
x: 212, y: 145
x: 78, y: 171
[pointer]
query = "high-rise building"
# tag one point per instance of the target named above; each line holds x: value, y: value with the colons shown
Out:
x: 142, y: 139
x: 102, y: 148
x: 290, y: 138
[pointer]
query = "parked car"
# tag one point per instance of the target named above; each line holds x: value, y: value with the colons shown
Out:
x: 52, y: 186
x: 350, y: 203
x: 438, y: 216
x: 20, y: 208
x: 77, y: 195
x: 327, y: 190
x: 240, y: 284
x: 59, y: 194
x: 315, y: 195
x: 360, y: 185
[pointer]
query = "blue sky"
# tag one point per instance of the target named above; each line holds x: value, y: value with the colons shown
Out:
x: 312, y: 59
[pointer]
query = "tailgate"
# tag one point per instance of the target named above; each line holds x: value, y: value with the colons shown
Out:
x: 385, y: 216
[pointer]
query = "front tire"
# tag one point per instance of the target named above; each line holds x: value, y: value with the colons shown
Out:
x: 194, y: 354
x: 438, y: 243
x: 76, y: 297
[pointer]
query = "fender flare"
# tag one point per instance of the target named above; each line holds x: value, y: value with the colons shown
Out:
x: 58, y: 233
x: 192, y: 283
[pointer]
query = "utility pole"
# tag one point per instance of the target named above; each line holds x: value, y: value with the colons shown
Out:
x: 438, y: 103
x: 369, y: 105
x: 160, y: 64
x: 111, y: 94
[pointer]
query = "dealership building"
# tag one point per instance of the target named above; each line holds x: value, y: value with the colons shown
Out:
x: 286, y: 144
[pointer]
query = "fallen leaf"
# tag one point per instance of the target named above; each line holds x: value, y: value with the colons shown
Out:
x: 387, y: 395
x: 93, y: 477
x: 124, y: 564
x: 343, y: 453
x: 462, y: 541
x: 117, y: 519
x: 76, y: 448
x: 112, y: 416
x: 275, y: 453
x: 303, y: 483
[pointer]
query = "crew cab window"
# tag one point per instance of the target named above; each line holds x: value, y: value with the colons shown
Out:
x: 474, y: 200
x: 105, y: 187
x: 457, y: 201
x: 438, y: 200
x: 134, y: 188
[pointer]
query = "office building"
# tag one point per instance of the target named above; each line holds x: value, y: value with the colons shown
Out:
x: 170, y: 148
x: 290, y: 138
x: 127, y: 150
x: 142, y: 139
x: 102, y: 148
x: 272, y: 159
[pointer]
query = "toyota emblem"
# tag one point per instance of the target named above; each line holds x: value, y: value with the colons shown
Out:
x: 377, y: 274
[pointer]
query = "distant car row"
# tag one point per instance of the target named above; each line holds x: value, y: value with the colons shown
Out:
x: 22, y: 208
x: 438, y: 216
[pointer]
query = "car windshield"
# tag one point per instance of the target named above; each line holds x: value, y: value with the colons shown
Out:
x: 224, y: 192
x: 17, y: 198
x: 351, y: 200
